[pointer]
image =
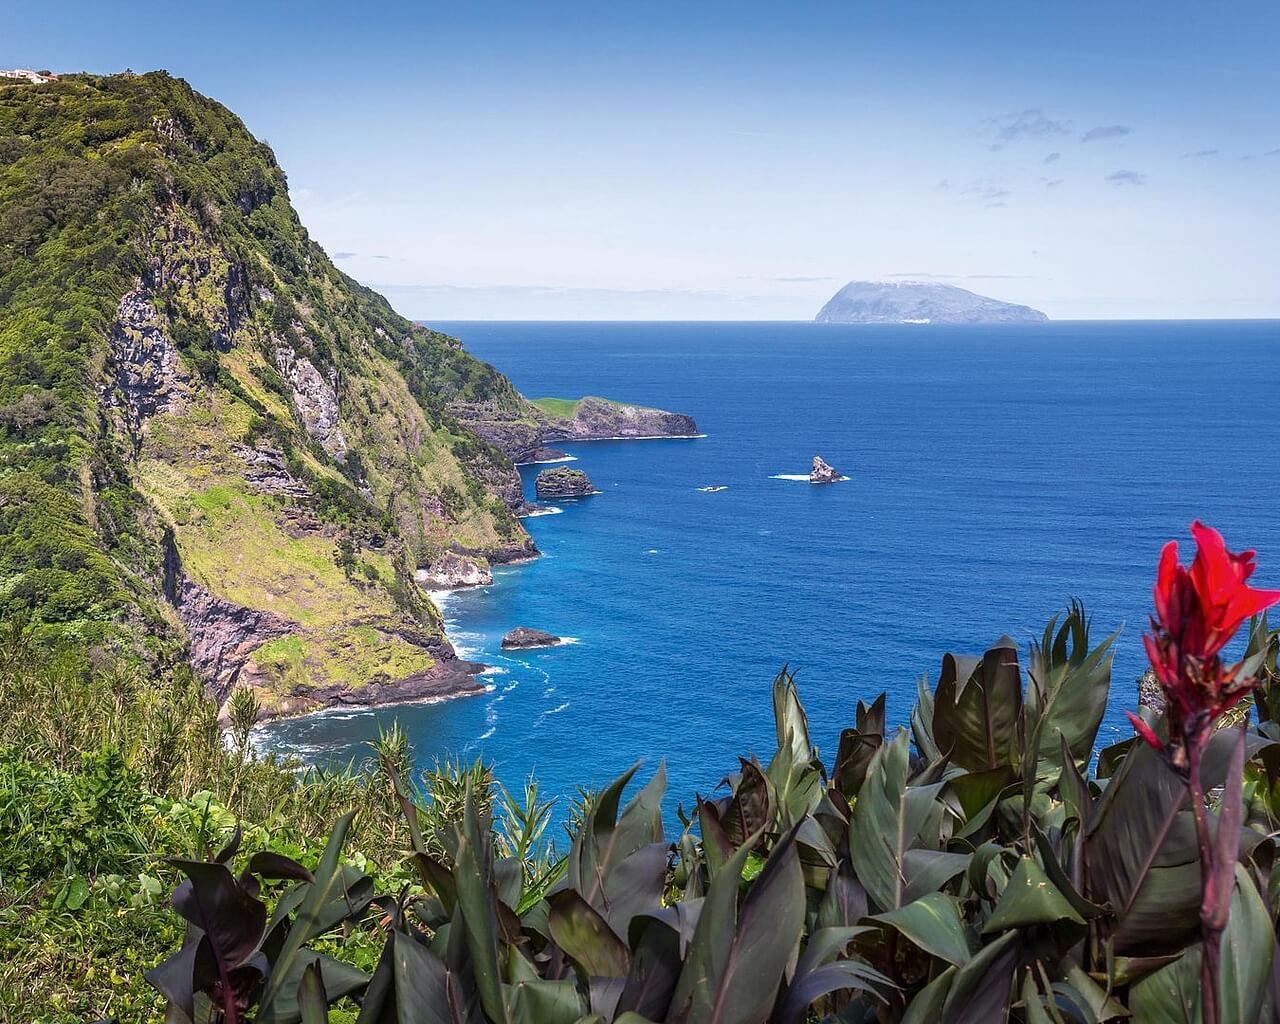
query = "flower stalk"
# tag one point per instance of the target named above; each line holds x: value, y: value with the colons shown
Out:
x: 1198, y: 610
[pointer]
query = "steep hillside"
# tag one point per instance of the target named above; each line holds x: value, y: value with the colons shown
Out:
x: 214, y: 444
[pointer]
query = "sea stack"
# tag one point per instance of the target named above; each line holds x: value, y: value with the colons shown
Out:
x: 523, y: 638
x: 563, y: 483
x: 822, y: 473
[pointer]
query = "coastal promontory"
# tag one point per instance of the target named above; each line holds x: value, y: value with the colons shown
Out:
x: 562, y: 482
x: 920, y: 302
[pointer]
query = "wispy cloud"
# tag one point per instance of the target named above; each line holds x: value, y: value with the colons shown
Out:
x: 962, y: 277
x: 1051, y: 182
x: 802, y: 280
x: 986, y: 188
x: 1106, y: 131
x: 1053, y: 158
x: 1199, y: 153
x: 1272, y: 152
x: 1127, y: 178
x: 344, y: 255
x: 1031, y: 123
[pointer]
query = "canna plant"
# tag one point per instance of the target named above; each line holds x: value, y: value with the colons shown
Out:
x: 970, y: 868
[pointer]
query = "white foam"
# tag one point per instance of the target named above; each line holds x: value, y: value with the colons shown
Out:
x: 566, y: 641
x: 714, y: 488
x: 556, y: 710
x: 790, y: 476
x: 547, y: 510
x: 638, y: 437
x: 548, y: 462
x: 494, y: 670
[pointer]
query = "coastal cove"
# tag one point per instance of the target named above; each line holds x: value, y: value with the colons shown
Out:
x: 994, y: 474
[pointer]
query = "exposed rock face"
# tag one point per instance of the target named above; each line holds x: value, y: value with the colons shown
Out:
x: 222, y: 635
x: 598, y: 419
x: 448, y: 678
x: 923, y: 302
x: 563, y: 483
x: 1150, y: 695
x: 822, y: 473
x: 451, y: 571
x: 267, y: 472
x: 523, y: 638
x: 147, y: 372
x: 542, y: 455
x: 314, y: 398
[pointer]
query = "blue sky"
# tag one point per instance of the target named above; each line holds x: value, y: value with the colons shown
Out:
x: 741, y: 161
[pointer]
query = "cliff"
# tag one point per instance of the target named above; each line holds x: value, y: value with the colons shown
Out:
x: 214, y: 445
x: 878, y: 302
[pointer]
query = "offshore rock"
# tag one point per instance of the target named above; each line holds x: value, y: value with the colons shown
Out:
x: 822, y: 473
x: 563, y: 483
x: 523, y: 638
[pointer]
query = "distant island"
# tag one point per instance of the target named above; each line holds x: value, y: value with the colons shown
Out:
x: 919, y: 302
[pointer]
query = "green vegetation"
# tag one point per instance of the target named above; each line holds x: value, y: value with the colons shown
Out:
x: 561, y: 408
x: 892, y: 883
x: 155, y: 288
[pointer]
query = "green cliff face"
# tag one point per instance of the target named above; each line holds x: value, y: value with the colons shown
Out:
x: 214, y: 444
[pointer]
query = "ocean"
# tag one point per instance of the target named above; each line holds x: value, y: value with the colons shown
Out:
x: 994, y: 475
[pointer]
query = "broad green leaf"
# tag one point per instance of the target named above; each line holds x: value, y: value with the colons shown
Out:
x: 1140, y: 844
x: 837, y: 976
x: 1171, y: 995
x: 545, y: 1002
x: 313, y: 1003
x: 885, y: 821
x: 932, y: 923
x: 926, y: 1006
x: 314, y: 912
x: 1030, y: 898
x: 337, y: 979
x: 978, y: 708
x: 1068, y: 687
x: 478, y: 909
x: 412, y: 985
x: 735, y: 966
x: 982, y: 989
x: 586, y: 937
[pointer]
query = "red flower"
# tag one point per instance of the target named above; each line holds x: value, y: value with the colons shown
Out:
x: 1198, y: 611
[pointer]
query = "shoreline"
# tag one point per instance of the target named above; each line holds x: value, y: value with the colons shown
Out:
x: 451, y: 677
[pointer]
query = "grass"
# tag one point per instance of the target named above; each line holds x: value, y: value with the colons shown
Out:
x: 562, y: 408
x: 104, y: 772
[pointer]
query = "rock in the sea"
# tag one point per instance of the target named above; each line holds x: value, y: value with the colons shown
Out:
x: 563, y: 483
x: 451, y: 571
x: 543, y: 454
x: 523, y: 638
x: 822, y: 473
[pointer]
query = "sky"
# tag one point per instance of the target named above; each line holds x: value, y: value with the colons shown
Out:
x: 742, y: 161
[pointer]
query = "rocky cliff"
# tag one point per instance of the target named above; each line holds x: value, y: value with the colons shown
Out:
x: 920, y: 302
x: 215, y: 446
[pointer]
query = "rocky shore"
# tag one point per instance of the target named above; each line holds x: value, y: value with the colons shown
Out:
x: 452, y: 677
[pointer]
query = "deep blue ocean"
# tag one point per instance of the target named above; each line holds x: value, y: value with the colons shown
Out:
x: 994, y: 475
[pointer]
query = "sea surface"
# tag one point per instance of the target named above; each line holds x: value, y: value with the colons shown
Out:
x: 994, y: 475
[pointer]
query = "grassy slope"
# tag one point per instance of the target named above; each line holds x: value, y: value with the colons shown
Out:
x: 181, y: 187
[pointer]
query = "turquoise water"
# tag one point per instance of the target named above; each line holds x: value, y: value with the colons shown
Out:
x: 994, y: 475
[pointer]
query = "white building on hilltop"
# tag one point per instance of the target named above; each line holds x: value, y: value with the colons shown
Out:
x: 38, y: 77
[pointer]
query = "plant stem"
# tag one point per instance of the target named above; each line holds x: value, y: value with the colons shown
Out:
x: 1210, y: 930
